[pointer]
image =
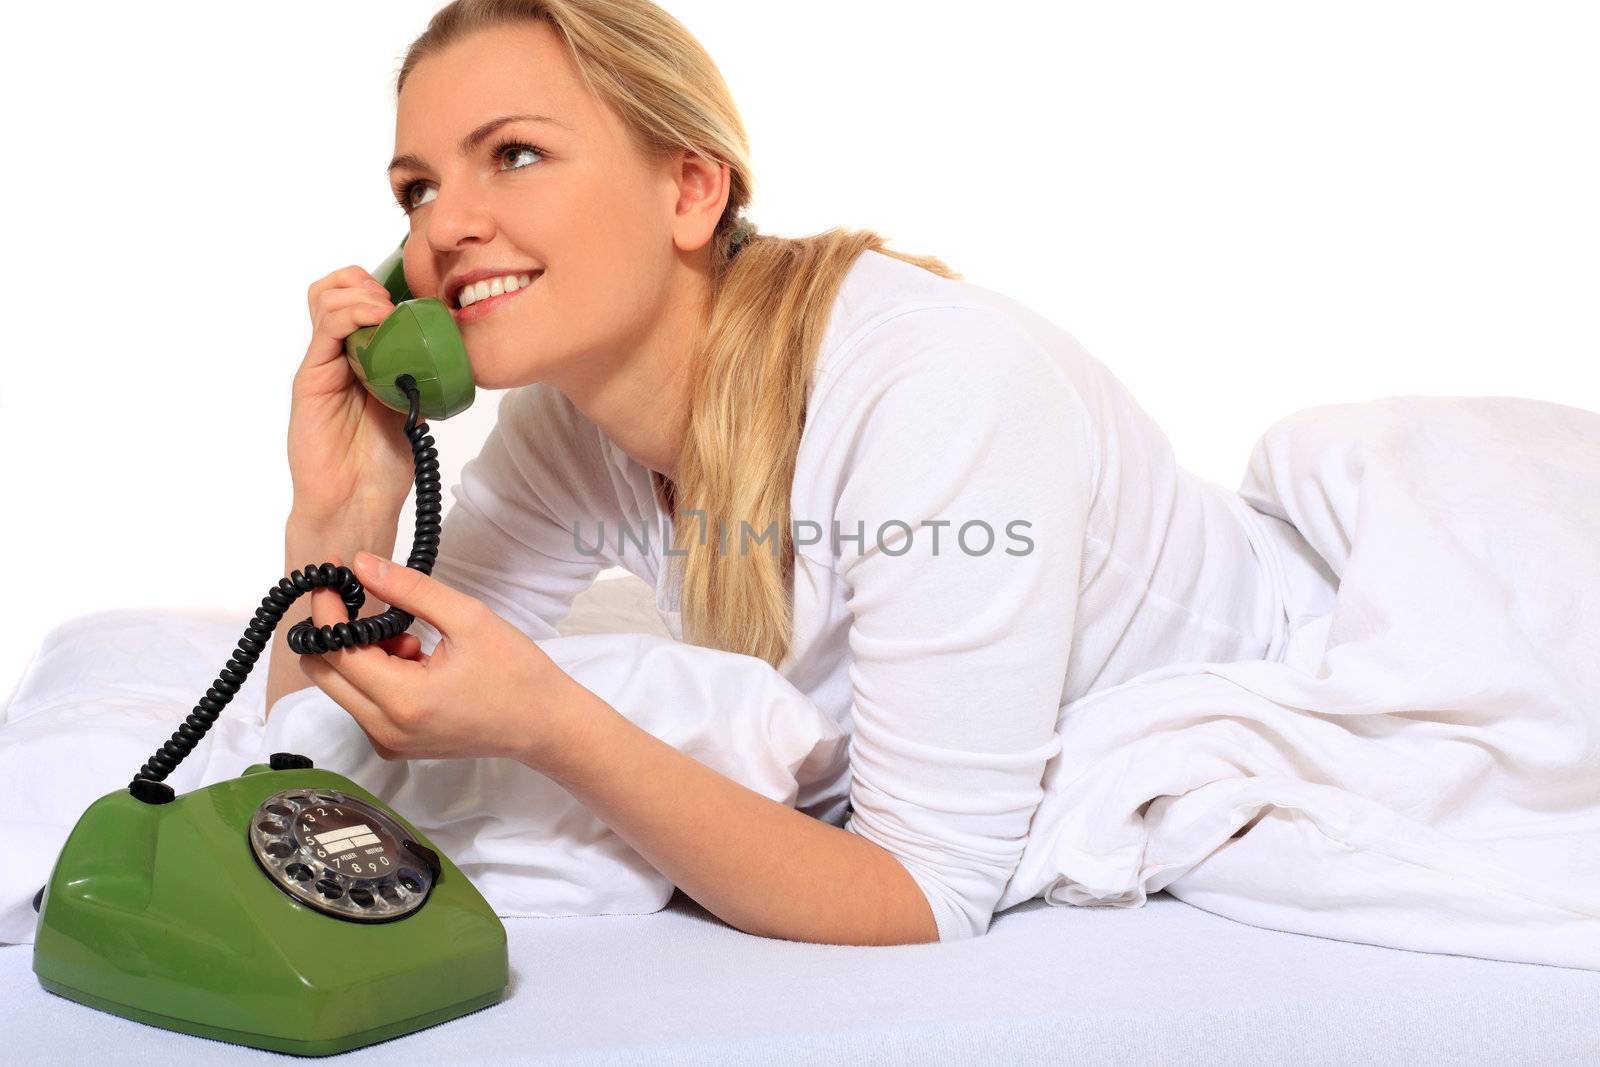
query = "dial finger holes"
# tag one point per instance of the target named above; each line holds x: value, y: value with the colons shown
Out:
x: 338, y: 855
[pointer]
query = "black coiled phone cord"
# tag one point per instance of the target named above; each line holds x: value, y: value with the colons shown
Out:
x: 305, y: 637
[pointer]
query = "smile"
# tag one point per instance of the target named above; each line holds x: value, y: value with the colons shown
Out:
x: 481, y: 298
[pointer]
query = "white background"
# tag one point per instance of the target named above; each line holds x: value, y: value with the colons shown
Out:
x: 1242, y: 209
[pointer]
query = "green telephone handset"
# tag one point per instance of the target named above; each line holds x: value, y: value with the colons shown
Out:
x: 287, y: 908
x: 418, y: 338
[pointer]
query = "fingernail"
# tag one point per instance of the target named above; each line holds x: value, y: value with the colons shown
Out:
x: 370, y: 565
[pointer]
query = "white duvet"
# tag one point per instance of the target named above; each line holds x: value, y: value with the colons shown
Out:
x: 1422, y: 772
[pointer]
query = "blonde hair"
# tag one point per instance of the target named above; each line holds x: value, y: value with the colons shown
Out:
x: 771, y: 301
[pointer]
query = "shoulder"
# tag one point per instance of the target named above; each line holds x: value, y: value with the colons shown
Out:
x: 904, y: 344
x: 945, y: 397
x: 894, y: 322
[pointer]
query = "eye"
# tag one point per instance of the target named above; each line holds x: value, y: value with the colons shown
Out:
x: 512, y: 155
x: 510, y: 150
x: 408, y: 196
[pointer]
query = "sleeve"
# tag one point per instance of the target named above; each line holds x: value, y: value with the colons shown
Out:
x: 504, y: 541
x: 967, y: 478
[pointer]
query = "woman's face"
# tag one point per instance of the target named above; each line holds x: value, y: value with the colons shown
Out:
x: 568, y: 200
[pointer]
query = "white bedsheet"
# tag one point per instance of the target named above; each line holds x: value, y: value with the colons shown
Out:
x: 1163, y: 984
x: 1422, y: 772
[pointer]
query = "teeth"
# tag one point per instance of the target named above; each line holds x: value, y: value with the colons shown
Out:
x: 509, y: 283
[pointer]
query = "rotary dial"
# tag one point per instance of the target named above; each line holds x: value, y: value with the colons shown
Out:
x: 340, y: 855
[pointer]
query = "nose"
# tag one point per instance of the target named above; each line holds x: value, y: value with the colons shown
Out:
x: 457, y: 218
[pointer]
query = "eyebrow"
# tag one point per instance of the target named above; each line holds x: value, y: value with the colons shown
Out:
x: 471, y: 141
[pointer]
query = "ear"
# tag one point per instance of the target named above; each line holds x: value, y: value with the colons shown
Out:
x: 702, y: 186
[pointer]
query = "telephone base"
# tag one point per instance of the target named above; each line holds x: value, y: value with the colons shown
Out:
x: 162, y: 913
x: 323, y: 1047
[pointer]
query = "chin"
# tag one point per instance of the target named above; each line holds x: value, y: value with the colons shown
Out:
x: 483, y: 376
x: 497, y: 371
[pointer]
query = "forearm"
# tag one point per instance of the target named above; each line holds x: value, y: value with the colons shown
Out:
x: 319, y: 542
x: 758, y: 865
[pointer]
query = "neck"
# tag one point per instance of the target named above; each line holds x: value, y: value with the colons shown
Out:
x: 643, y: 403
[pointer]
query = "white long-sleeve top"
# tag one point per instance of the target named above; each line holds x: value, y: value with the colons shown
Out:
x: 945, y: 651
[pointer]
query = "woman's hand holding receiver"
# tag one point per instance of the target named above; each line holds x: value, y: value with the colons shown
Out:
x: 348, y: 454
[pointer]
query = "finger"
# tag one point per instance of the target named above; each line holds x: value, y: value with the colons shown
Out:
x: 327, y: 609
x: 388, y: 682
x: 368, y: 669
x: 344, y: 277
x: 405, y: 646
x: 342, y: 691
x: 333, y: 299
x: 367, y: 715
x: 383, y: 753
x: 336, y: 300
x: 342, y: 321
x: 451, y: 612
x: 352, y: 311
x: 324, y: 669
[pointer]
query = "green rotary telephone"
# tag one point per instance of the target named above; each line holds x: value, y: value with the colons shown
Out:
x: 286, y: 909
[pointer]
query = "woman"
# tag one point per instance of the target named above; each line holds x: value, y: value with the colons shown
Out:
x: 927, y: 507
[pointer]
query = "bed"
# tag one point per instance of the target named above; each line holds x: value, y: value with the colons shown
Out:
x: 1165, y: 983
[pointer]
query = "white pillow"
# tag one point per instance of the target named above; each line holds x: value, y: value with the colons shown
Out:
x: 105, y: 690
x: 618, y: 605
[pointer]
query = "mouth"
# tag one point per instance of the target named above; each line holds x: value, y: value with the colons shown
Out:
x: 481, y: 298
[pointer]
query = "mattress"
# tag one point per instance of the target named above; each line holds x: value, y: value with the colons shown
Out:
x: 1166, y: 983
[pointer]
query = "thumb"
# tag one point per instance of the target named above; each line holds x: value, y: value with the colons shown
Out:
x: 447, y: 609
